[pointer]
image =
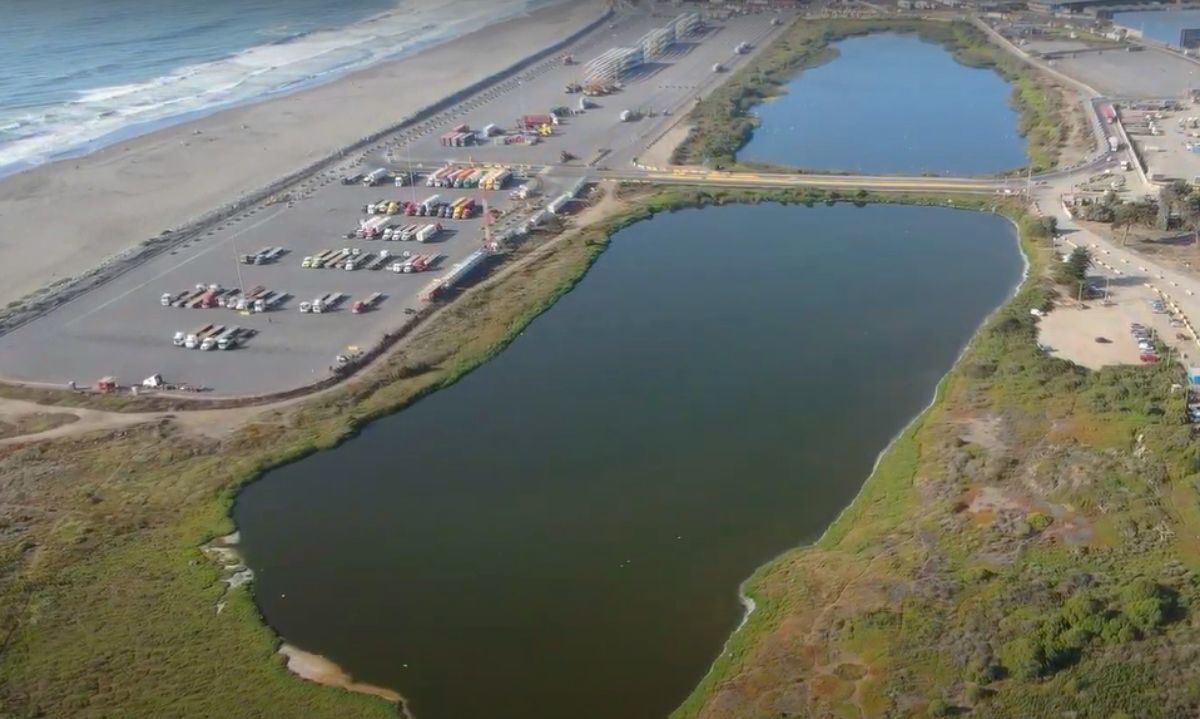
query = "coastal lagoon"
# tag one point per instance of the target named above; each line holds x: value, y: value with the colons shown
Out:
x: 891, y: 103
x: 563, y: 531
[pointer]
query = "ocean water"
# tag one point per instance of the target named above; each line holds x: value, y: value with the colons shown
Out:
x: 79, y: 74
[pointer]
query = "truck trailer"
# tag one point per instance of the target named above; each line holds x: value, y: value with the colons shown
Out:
x: 368, y: 304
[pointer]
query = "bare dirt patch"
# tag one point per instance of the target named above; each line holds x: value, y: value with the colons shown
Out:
x: 1096, y: 335
x: 34, y: 423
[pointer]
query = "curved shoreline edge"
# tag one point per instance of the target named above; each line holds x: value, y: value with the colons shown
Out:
x: 320, y: 669
x: 645, y: 207
x: 723, y: 122
x: 744, y: 597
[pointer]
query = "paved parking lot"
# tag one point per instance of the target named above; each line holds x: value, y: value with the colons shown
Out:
x: 670, y: 83
x: 122, y: 330
x: 1144, y: 74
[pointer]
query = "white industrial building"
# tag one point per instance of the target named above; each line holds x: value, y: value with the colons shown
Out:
x: 611, y: 65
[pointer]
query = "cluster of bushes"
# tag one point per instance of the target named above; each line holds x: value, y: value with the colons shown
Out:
x: 1057, y: 641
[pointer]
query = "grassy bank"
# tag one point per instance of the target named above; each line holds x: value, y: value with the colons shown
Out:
x: 722, y: 122
x: 1025, y: 548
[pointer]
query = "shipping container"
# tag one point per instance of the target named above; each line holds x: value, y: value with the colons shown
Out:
x: 532, y: 121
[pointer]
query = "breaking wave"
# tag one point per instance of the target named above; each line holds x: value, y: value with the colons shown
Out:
x: 286, y: 60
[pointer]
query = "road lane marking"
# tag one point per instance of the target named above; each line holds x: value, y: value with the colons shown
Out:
x: 169, y: 270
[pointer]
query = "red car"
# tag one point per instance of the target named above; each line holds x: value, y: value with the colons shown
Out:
x: 1148, y: 357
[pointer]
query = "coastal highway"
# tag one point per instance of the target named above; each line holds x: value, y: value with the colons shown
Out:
x: 850, y: 182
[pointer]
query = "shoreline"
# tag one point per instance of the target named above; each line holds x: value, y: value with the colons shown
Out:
x: 721, y: 134
x: 317, y: 668
x: 744, y: 596
x: 136, y: 130
x: 239, y: 156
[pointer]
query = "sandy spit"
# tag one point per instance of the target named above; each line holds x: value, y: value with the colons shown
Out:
x: 317, y: 668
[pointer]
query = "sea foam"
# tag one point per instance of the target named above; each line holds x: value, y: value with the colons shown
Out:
x: 285, y: 62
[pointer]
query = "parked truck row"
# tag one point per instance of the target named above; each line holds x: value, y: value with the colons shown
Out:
x: 324, y: 303
x: 458, y: 176
x: 264, y: 256
x: 396, y: 230
x: 256, y: 299
x: 351, y: 259
x: 379, y: 176
x: 462, y: 208
x: 415, y: 263
x: 212, y: 336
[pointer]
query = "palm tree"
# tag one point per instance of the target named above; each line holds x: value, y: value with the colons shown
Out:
x: 1125, y: 215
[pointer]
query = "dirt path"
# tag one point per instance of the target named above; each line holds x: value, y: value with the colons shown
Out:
x: 87, y: 420
x: 220, y: 422
x: 658, y: 155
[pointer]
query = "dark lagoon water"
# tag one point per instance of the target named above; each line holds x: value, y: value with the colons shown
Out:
x: 891, y: 104
x: 562, y: 533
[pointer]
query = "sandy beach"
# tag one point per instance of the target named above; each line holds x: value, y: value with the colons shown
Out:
x: 67, y: 217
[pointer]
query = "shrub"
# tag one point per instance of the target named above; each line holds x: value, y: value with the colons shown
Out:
x: 1118, y: 630
x: 1146, y: 604
x: 1145, y: 613
x: 1038, y: 521
x: 1023, y: 658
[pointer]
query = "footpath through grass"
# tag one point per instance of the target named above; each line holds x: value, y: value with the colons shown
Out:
x: 722, y: 123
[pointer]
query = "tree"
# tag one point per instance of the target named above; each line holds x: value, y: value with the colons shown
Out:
x: 1080, y: 262
x: 1074, y: 271
x: 1049, y: 225
x: 1125, y: 215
